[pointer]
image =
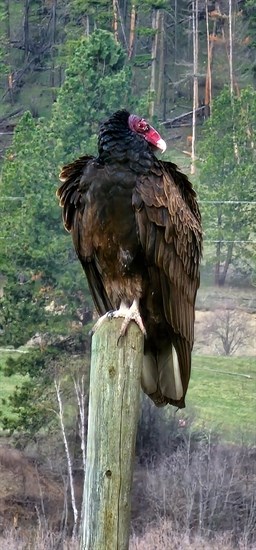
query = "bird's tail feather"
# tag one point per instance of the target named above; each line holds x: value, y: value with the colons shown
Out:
x: 161, y: 376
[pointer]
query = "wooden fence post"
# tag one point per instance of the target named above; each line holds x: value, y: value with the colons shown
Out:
x: 112, y: 425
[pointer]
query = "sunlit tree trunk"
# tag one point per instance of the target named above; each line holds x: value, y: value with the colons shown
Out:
x: 132, y: 31
x: 208, y: 82
x: 165, y: 83
x: 195, y: 81
x: 218, y: 249
x: 230, y: 28
x: 115, y: 20
x: 152, y: 87
x: 161, y: 59
x: 175, y: 45
x: 231, y: 76
x: 87, y: 28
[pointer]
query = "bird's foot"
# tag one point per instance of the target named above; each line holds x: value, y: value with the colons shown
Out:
x: 128, y: 314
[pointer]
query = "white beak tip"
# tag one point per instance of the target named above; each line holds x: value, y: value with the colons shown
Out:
x: 161, y: 145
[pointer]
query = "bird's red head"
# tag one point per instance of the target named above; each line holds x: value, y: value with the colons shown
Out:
x: 141, y: 127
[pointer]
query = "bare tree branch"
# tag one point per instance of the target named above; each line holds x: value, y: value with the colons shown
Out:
x: 69, y: 462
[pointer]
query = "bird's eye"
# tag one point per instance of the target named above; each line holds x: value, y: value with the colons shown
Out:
x: 143, y: 127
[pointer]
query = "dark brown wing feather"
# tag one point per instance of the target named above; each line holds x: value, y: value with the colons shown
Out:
x: 76, y: 178
x: 70, y: 193
x: 169, y: 228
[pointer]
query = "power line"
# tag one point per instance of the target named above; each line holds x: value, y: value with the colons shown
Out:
x: 221, y: 241
x: 225, y: 202
x: 217, y: 201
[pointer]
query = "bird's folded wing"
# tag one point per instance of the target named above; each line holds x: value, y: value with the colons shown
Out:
x: 76, y: 179
x: 169, y: 229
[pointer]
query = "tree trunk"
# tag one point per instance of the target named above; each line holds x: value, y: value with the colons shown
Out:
x: 208, y: 81
x: 7, y: 19
x: 165, y: 86
x: 10, y: 87
x: 195, y: 82
x: 161, y: 60
x: 8, y: 49
x: 120, y: 15
x: 231, y: 77
x: 176, y: 30
x: 165, y: 69
x: 52, y: 73
x: 218, y: 250
x: 115, y: 20
x: 26, y: 27
x: 231, y: 73
x: 152, y: 87
x: 217, y: 264
x: 223, y: 274
x: 132, y: 31
x: 125, y: 11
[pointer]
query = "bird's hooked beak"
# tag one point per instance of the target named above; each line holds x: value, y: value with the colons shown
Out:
x: 154, y: 138
x: 161, y: 145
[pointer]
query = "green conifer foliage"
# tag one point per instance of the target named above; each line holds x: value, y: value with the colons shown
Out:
x: 45, y: 287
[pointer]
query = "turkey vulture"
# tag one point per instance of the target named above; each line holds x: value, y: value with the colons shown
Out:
x: 136, y: 229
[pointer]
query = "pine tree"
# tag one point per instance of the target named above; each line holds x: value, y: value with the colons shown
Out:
x: 46, y: 290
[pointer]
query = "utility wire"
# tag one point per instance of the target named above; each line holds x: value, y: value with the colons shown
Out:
x: 225, y: 202
x: 221, y: 241
x: 217, y: 201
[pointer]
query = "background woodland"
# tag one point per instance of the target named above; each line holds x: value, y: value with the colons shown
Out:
x: 189, y: 68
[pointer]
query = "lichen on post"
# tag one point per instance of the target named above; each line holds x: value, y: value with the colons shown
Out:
x: 112, y: 425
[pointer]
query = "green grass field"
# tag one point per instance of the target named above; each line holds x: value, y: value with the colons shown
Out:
x: 222, y: 394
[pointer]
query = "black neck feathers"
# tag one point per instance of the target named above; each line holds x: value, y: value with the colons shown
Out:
x: 118, y: 144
